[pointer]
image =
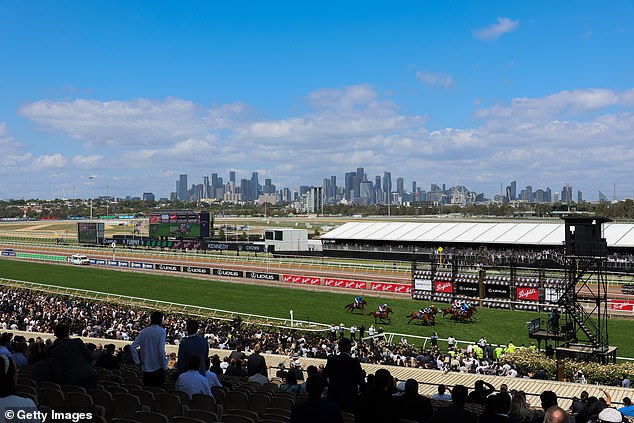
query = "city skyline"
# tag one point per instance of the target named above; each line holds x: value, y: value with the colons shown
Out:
x: 129, y: 96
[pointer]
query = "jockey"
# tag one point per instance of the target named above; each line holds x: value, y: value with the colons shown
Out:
x: 421, y: 312
x: 382, y: 308
x: 357, y: 301
x: 455, y: 305
x: 465, y: 307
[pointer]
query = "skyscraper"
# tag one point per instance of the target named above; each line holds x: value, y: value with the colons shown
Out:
x: 232, y: 177
x: 387, y: 187
x: 206, y: 187
x: 255, y: 187
x: 181, y: 188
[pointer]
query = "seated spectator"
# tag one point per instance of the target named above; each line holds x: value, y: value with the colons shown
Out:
x: 192, y: 382
x: 211, y: 376
x: 412, y: 405
x: 555, y: 414
x: 8, y: 397
x: 548, y: 400
x: 441, y: 395
x: 378, y: 404
x: 281, y: 371
x: 455, y: 412
x: 5, y: 344
x: 236, y: 369
x: 107, y: 360
x: 258, y: 376
x: 579, y: 404
x: 627, y: 409
x: 215, y: 365
x: 291, y: 384
x: 610, y: 415
x: 480, y: 393
x: 315, y: 409
x: 19, y: 357
x: 74, y: 359
x: 193, y: 344
x: 501, y: 405
x: 520, y: 411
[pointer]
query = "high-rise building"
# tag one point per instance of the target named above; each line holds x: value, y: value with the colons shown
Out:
x: 215, y: 184
x: 255, y: 187
x: 513, y: 191
x: 348, y: 187
x: 245, y: 187
x: 232, y: 176
x: 387, y: 187
x: 181, y: 188
x: 206, y: 187
x: 400, y: 186
x: 148, y: 196
x: 361, y: 174
x: 333, y: 188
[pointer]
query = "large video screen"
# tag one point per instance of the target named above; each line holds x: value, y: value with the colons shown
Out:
x: 90, y: 232
x: 179, y: 224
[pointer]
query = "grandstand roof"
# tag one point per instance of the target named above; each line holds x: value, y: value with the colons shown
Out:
x: 619, y: 235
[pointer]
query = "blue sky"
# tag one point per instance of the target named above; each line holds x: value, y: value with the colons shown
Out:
x: 469, y: 93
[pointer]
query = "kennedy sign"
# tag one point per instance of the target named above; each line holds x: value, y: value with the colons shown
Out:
x: 303, y: 280
x: 527, y: 293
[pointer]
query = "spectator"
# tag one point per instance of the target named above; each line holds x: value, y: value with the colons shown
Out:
x: 8, y: 397
x: 441, y: 395
x: 315, y: 409
x: 73, y: 358
x: 18, y: 356
x: 628, y: 409
x: 610, y: 415
x: 378, y: 404
x: 193, y: 344
x: 501, y: 406
x: 215, y: 365
x: 153, y: 362
x: 555, y: 414
x: 625, y: 383
x: 520, y: 410
x: 434, y: 340
x: 212, y: 376
x: 579, y: 404
x: 455, y: 412
x: 344, y: 374
x: 281, y: 371
x: 258, y: 376
x: 291, y: 384
x: 451, y: 342
x: 480, y: 393
x: 5, y: 344
x: 256, y: 363
x: 412, y: 405
x: 107, y: 360
x: 192, y: 382
x: 236, y: 368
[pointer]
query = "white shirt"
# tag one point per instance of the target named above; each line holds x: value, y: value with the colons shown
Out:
x: 152, y: 343
x: 191, y: 382
x: 18, y: 403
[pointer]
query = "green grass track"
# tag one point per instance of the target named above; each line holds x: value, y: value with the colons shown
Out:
x: 498, y: 326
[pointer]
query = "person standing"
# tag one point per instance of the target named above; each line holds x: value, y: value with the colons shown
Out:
x: 153, y: 362
x: 344, y: 374
x: 74, y: 358
x: 353, y: 333
x: 193, y: 344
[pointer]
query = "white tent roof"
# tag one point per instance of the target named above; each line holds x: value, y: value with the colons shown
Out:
x: 617, y: 234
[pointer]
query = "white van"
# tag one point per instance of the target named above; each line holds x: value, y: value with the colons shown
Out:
x: 79, y: 259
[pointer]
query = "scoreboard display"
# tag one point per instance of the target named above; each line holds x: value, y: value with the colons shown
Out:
x: 179, y: 224
x: 90, y: 232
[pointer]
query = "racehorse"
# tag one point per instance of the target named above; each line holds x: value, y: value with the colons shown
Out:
x: 383, y: 315
x: 428, y: 318
x: 460, y: 316
x: 359, y: 306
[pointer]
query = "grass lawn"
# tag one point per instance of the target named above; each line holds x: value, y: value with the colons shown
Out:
x: 498, y: 326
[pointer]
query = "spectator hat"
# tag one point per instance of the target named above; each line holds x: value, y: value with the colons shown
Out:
x: 610, y: 415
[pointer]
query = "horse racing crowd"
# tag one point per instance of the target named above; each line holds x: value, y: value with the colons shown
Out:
x: 33, y: 311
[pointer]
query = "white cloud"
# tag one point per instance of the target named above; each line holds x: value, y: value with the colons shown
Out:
x: 436, y: 79
x: 51, y: 161
x: 137, y: 122
x: 496, y: 30
x: 88, y: 162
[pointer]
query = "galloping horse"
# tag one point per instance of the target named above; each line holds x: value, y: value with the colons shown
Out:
x: 383, y: 315
x: 359, y: 306
x: 428, y: 318
x: 459, y: 315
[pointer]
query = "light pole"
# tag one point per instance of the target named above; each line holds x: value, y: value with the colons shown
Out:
x: 90, y: 179
x: 107, y: 201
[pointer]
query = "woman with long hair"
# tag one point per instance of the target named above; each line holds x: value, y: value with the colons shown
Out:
x: 520, y: 409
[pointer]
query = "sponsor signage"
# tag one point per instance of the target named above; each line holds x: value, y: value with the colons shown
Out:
x: 390, y: 287
x: 263, y: 276
x: 253, y: 247
x: 187, y: 245
x: 304, y: 280
x: 551, y: 295
x: 136, y: 265
x: 228, y: 273
x: 148, y: 266
x: 621, y: 305
x: 92, y: 261
x: 8, y: 253
x: 124, y: 264
x: 422, y: 284
x: 168, y: 267
x: 218, y: 246
x: 497, y: 291
x: 527, y: 293
x: 101, y: 262
x: 113, y: 263
x: 197, y: 270
x: 344, y: 283
x: 443, y: 286
x: 470, y: 289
